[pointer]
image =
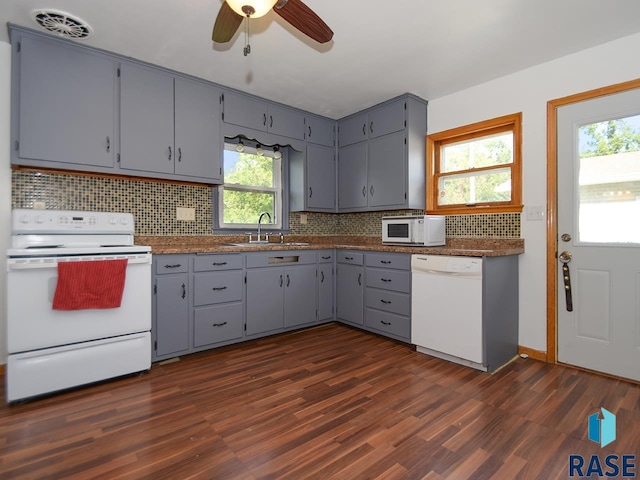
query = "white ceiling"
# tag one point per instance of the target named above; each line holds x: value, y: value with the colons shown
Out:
x: 380, y: 48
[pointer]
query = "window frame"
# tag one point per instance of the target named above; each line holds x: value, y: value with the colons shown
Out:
x: 434, y: 143
x: 282, y: 197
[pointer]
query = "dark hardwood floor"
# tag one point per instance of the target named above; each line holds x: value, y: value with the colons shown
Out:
x: 328, y: 402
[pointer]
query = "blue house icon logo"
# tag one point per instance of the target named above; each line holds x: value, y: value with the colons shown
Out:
x: 602, y: 427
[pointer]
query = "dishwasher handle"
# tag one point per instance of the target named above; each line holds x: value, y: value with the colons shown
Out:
x: 448, y: 274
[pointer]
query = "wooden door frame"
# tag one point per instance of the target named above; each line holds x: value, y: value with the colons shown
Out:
x: 552, y: 201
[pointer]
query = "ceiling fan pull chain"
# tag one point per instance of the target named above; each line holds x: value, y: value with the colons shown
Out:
x: 247, y: 47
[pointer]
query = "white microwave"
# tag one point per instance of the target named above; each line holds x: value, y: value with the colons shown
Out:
x: 423, y: 230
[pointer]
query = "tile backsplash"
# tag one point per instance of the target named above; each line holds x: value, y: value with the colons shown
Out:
x: 153, y: 204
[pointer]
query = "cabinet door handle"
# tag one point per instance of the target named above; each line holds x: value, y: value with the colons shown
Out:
x: 280, y: 280
x: 386, y: 262
x: 264, y: 119
x: 175, y: 265
x: 108, y: 144
x: 388, y: 324
x: 386, y: 302
x: 348, y: 258
x: 169, y: 153
x: 371, y: 190
x: 288, y: 280
x: 184, y: 290
x: 371, y: 127
x: 270, y: 121
x: 325, y: 258
x: 218, y: 264
x: 217, y: 289
x: 219, y: 324
x: 321, y: 276
x: 364, y: 191
x: 179, y: 154
x: 359, y: 279
x: 309, y: 131
x: 364, y: 129
x: 386, y: 280
x: 310, y: 192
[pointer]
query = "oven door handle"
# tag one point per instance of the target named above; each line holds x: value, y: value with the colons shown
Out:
x: 52, y: 262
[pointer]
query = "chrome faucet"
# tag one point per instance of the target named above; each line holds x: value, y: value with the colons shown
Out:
x: 260, y: 222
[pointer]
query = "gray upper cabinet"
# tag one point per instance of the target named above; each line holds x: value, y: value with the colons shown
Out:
x: 146, y: 119
x: 198, y: 148
x: 353, y: 190
x: 257, y: 114
x: 63, y: 105
x: 386, y: 177
x: 381, y: 157
x: 352, y: 129
x: 312, y: 182
x: 169, y: 125
x: 320, y: 131
x: 321, y: 178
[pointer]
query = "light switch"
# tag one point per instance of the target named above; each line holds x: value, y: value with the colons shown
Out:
x: 535, y: 212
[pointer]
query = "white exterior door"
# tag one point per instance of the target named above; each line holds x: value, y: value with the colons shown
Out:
x: 598, y: 195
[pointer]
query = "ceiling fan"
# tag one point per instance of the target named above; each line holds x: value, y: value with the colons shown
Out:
x: 295, y: 12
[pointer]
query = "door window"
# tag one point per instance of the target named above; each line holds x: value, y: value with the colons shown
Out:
x: 609, y: 181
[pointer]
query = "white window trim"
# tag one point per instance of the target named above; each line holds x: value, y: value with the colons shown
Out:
x: 276, y: 189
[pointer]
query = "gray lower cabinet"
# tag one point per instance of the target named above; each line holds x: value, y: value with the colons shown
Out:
x: 218, y: 300
x: 326, y: 285
x: 64, y: 113
x: 281, y: 290
x: 170, y: 306
x: 388, y: 294
x: 350, y: 287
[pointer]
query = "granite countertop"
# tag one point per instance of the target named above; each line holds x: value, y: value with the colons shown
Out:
x: 470, y: 247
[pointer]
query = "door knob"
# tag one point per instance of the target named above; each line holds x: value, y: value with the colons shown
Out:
x: 565, y: 257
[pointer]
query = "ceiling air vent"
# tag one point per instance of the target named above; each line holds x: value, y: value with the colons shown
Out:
x: 62, y: 23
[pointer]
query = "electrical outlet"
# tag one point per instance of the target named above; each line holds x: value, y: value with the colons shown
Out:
x: 303, y: 218
x: 185, y: 214
x: 39, y: 205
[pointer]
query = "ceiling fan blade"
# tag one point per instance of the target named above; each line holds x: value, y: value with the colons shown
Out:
x: 304, y: 19
x: 226, y: 24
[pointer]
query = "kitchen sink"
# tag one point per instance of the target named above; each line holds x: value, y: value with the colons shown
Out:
x: 267, y: 244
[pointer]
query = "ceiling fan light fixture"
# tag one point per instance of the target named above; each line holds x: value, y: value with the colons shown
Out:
x: 251, y: 8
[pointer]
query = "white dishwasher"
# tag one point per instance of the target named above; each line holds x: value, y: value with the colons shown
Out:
x: 446, y: 308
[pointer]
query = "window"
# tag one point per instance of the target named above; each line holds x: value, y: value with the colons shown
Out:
x: 476, y: 168
x: 253, y: 184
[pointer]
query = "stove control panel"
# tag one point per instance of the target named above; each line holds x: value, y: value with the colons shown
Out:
x: 68, y: 221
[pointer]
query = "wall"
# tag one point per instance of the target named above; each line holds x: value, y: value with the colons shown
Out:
x: 153, y: 205
x: 528, y: 91
x: 5, y: 184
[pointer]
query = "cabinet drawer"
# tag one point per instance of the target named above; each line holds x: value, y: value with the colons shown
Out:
x: 203, y: 263
x: 396, y: 280
x: 390, y: 323
x: 393, y: 302
x: 281, y: 258
x: 217, y: 324
x: 326, y: 256
x: 350, y: 257
x: 401, y: 261
x: 217, y: 287
x: 171, y: 264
